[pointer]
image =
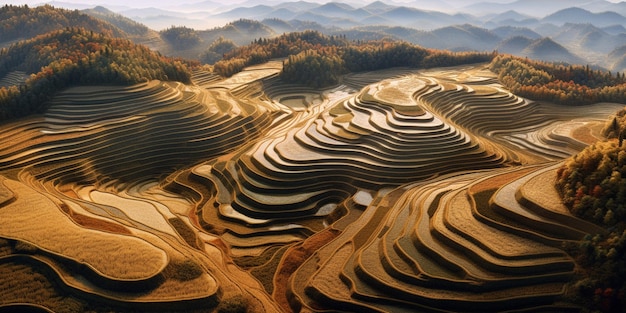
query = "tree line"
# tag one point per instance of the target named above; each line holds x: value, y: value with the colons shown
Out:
x: 181, y: 36
x: 75, y: 56
x: 318, y: 60
x: 592, y: 185
x: 263, y: 50
x: 559, y: 83
x: 324, y: 66
x: 21, y: 22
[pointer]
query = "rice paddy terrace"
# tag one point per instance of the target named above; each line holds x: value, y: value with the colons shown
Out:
x: 399, y: 190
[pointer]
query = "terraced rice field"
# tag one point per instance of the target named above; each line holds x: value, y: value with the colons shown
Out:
x: 400, y: 190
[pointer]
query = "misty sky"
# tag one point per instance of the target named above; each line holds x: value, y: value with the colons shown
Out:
x: 152, y: 3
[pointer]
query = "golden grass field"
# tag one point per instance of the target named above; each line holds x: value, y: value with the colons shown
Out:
x: 397, y: 191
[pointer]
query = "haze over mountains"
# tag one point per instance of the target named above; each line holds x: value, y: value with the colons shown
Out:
x: 199, y: 14
x: 578, y: 31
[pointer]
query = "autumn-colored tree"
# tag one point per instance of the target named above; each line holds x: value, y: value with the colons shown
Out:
x: 558, y: 83
x: 181, y: 36
x: 23, y: 22
x: 217, y: 50
x: 339, y: 55
x: 313, y: 68
x: 75, y: 56
x: 593, y: 186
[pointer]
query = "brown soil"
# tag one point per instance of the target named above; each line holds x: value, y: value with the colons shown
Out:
x: 97, y: 224
x: 292, y: 259
x: 498, y: 181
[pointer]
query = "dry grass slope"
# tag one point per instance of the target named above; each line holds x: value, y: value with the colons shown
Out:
x: 401, y: 190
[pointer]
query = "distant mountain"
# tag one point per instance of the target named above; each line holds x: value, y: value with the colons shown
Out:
x: 247, y: 12
x: 335, y: 9
x: 420, y: 19
x: 326, y: 20
x: 546, y: 49
x: 615, y: 29
x: 278, y: 25
x: 512, y: 27
x: 578, y: 15
x: 514, y: 45
x: 378, y: 7
x: 509, y: 15
x: 282, y: 13
x: 241, y: 32
x: 572, y: 33
x: 617, y: 59
x: 619, y: 7
x: 150, y: 12
x: 439, y: 5
x: 547, y: 29
x: 376, y: 20
x: 535, y: 8
x: 129, y: 26
x: 511, y: 31
x: 21, y: 22
x: 600, y: 41
x: 466, y: 37
x: 588, y: 37
x: 297, y: 6
x: 206, y: 5
x: 605, y: 6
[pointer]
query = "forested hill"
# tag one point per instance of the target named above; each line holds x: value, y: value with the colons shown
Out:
x: 559, y: 83
x: 23, y: 22
x: 75, y: 56
x: 127, y: 25
x: 317, y: 60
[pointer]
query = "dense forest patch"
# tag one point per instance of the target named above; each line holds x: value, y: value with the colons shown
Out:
x: 75, y: 56
x: 559, y: 83
x: 317, y: 60
x: 23, y: 22
x: 593, y: 186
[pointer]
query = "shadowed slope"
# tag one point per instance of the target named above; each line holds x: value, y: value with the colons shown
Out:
x: 426, y: 247
x: 391, y: 193
x: 97, y: 154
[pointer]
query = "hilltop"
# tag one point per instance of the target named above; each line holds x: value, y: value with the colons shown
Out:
x: 22, y: 22
x: 75, y: 56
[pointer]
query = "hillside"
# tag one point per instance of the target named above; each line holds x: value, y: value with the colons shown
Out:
x: 592, y: 187
x: 557, y: 82
x: 22, y: 22
x: 547, y: 49
x: 575, y: 15
x: 514, y: 45
x: 75, y: 56
x: 129, y: 26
